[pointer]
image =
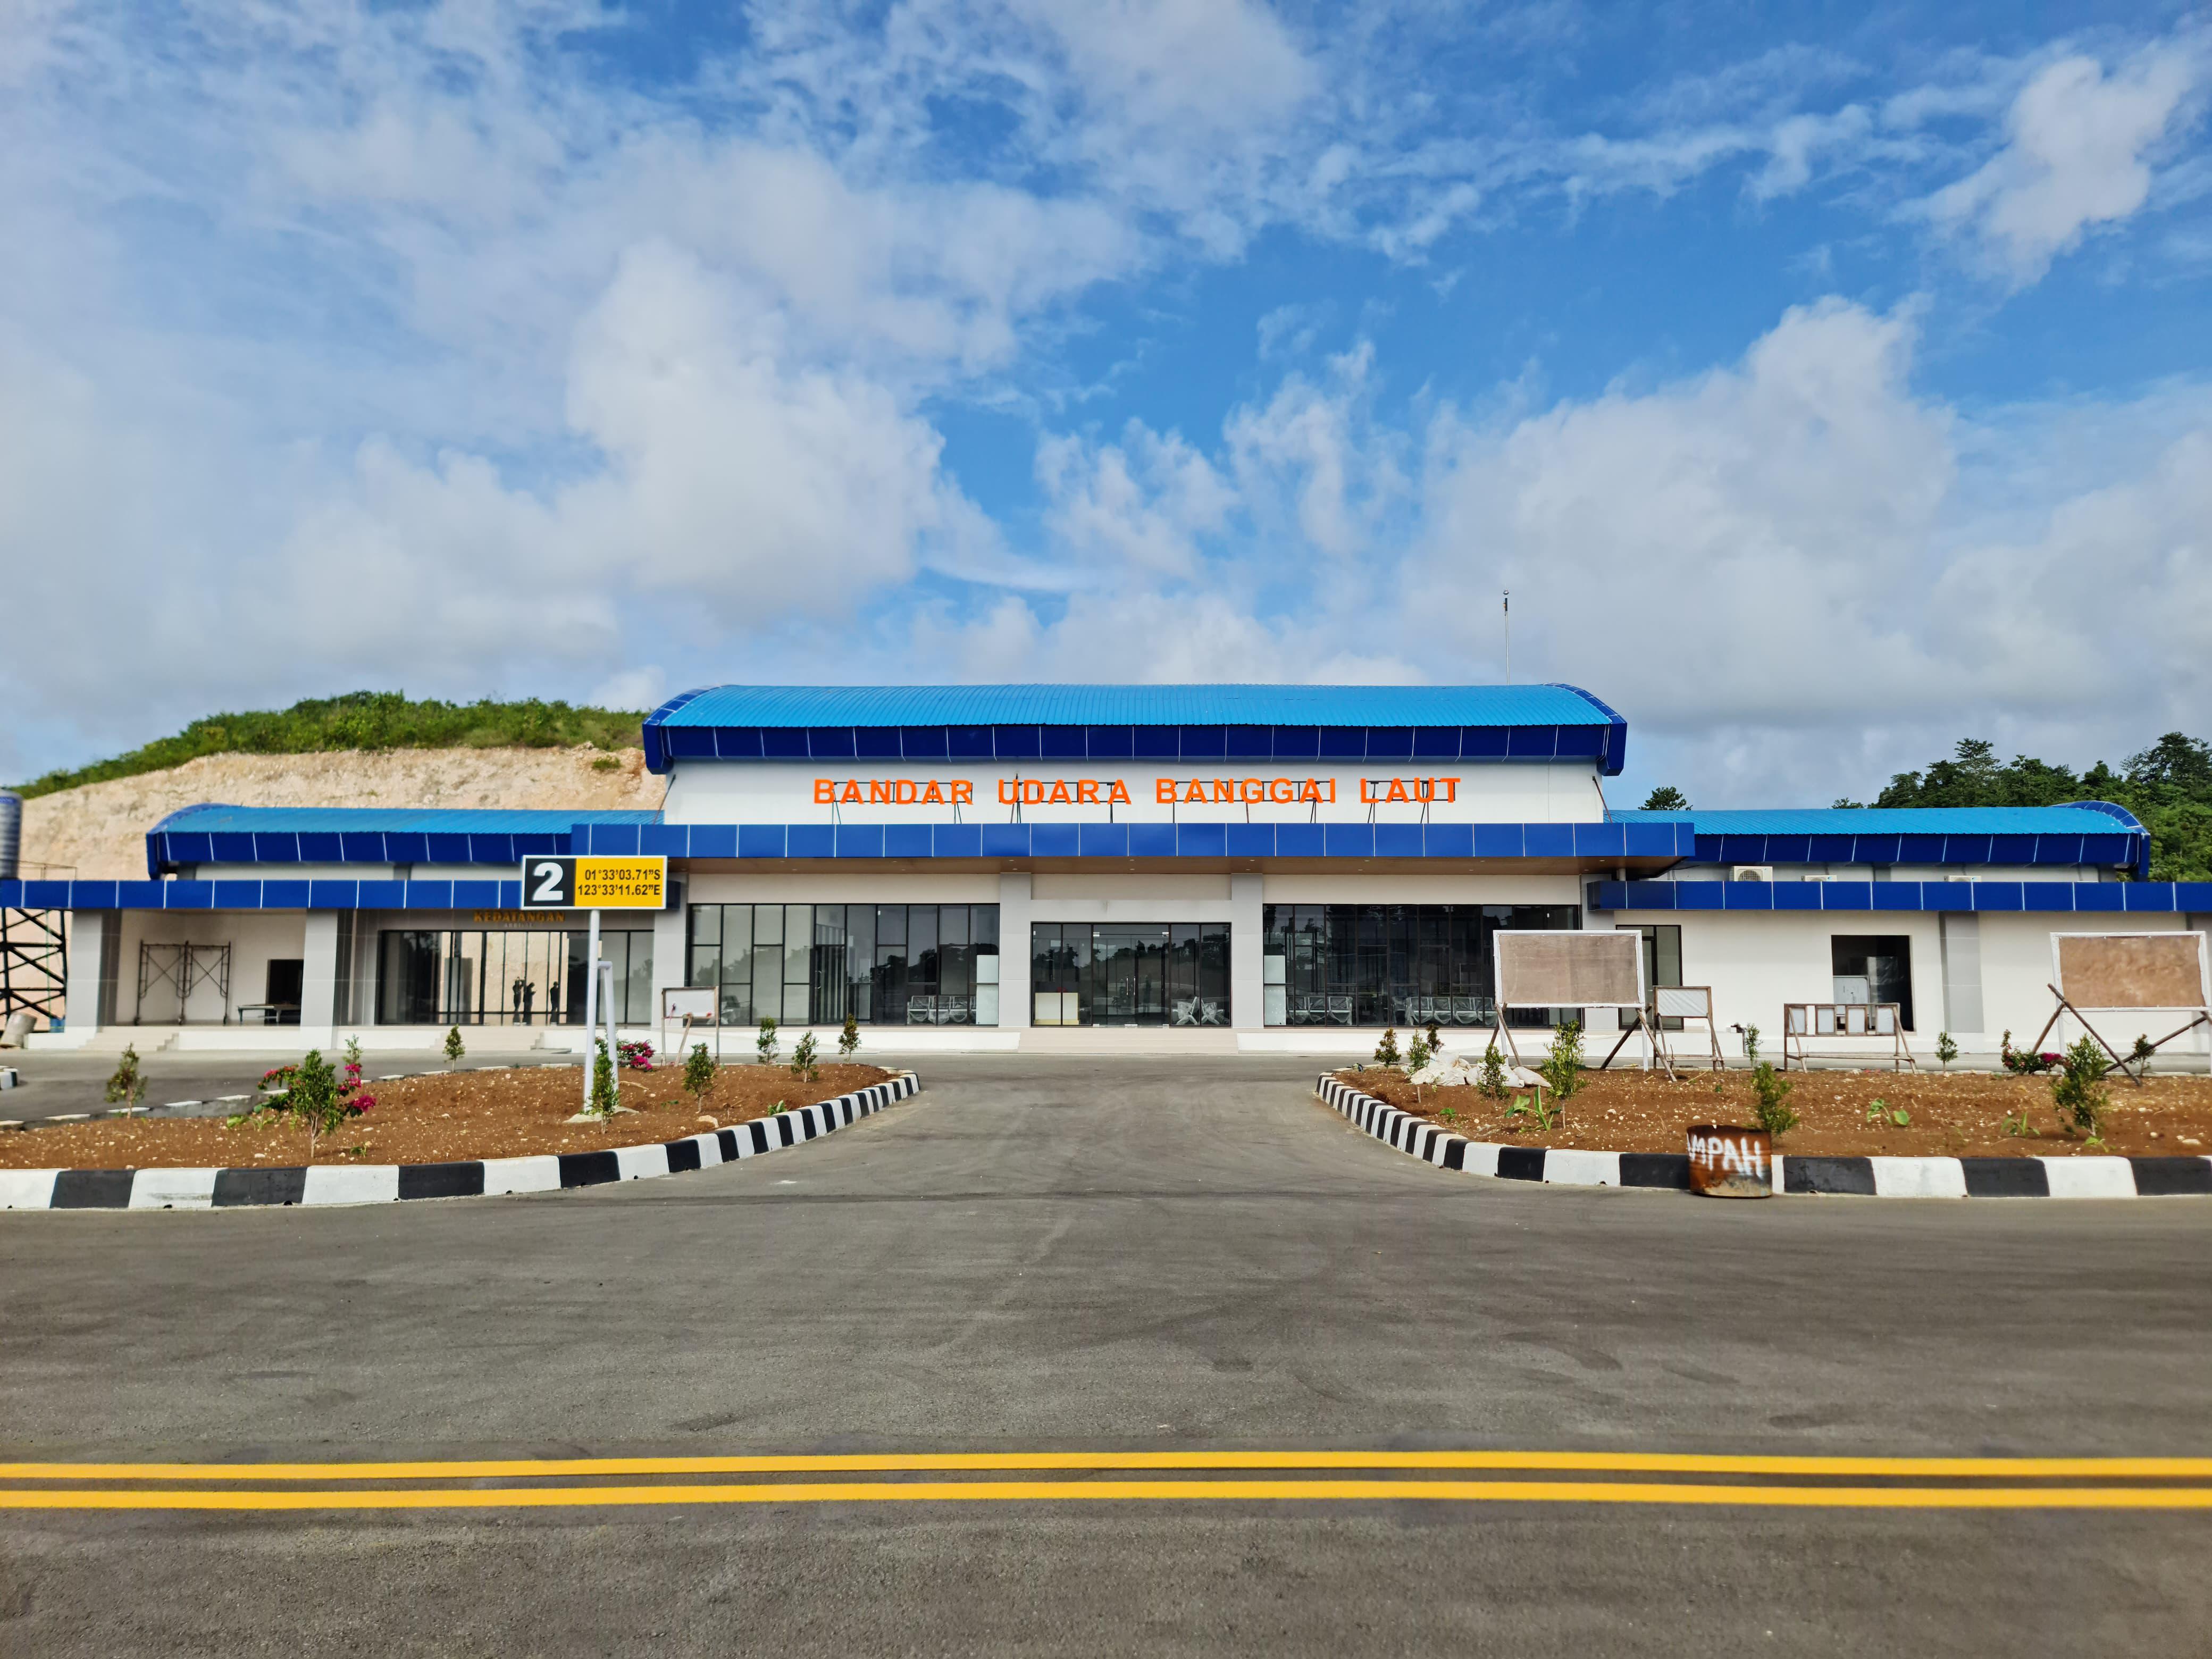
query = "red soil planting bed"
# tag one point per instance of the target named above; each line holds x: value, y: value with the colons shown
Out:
x: 1960, y: 1115
x: 444, y: 1118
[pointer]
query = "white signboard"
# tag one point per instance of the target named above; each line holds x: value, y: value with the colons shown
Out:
x: 693, y: 1002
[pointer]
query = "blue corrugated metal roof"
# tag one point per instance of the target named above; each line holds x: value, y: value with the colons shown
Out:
x: 210, y: 816
x: 784, y: 706
x: 1897, y: 821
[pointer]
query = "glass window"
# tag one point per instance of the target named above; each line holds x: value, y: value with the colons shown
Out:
x: 1874, y: 968
x: 813, y: 964
x: 1393, y: 964
x: 482, y: 976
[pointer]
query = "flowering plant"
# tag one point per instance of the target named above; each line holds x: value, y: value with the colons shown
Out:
x: 315, y: 1096
x: 636, y: 1055
x: 2020, y: 1063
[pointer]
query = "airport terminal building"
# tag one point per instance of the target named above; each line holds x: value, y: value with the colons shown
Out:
x: 1292, y: 865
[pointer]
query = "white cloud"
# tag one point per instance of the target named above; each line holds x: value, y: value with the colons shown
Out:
x: 2078, y: 156
x: 1795, y: 573
x: 1144, y: 503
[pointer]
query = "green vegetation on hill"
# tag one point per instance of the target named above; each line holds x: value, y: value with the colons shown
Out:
x: 2168, y: 787
x: 366, y: 719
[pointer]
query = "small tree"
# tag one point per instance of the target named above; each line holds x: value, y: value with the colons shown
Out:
x: 1771, y: 1090
x: 1665, y: 799
x: 764, y: 1044
x: 2142, y: 1051
x: 127, y: 1086
x: 699, y: 1073
x: 1417, y: 1060
x: 1490, y: 1079
x: 1385, y: 1051
x: 1751, y: 1044
x: 1562, y: 1066
x: 1435, y: 1041
x: 1946, y: 1050
x: 454, y: 1049
x: 848, y: 1039
x: 603, y: 1082
x: 2077, y: 1088
x: 318, y: 1100
x: 803, y: 1064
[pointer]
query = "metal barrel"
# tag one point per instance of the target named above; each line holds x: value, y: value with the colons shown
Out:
x: 11, y: 833
x: 1727, y: 1161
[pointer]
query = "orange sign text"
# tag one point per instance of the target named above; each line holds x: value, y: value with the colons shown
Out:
x: 1244, y: 792
x: 1380, y: 792
x: 894, y: 792
x: 1063, y: 792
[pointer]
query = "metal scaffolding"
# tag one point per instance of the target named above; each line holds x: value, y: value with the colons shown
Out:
x: 184, y: 969
x: 34, y: 963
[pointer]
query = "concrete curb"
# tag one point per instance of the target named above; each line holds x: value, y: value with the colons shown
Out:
x: 1863, y: 1177
x: 387, y: 1183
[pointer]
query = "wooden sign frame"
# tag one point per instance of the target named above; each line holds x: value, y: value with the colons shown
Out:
x: 1502, y: 1001
x: 2199, y: 1014
x: 1875, y: 1024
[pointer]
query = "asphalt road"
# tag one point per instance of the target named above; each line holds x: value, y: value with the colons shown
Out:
x: 1104, y: 1256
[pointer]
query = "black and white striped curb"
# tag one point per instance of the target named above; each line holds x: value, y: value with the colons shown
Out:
x: 1863, y: 1177
x: 385, y: 1183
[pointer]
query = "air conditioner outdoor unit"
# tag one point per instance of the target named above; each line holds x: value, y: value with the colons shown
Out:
x: 1754, y: 872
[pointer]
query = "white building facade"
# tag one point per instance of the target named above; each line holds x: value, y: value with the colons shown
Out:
x: 1296, y: 865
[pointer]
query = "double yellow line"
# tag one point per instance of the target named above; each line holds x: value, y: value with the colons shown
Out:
x: 2077, y: 1483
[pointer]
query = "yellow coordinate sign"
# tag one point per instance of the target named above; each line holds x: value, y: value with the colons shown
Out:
x: 574, y: 884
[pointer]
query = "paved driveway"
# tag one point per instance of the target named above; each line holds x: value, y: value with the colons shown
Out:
x: 1106, y: 1256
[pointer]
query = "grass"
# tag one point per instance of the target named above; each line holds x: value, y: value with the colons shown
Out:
x: 364, y: 719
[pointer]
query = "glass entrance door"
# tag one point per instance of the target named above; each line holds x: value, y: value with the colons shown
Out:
x: 1131, y: 963
x: 1130, y: 972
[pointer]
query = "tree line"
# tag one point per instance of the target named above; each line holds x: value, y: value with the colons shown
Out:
x: 2168, y: 787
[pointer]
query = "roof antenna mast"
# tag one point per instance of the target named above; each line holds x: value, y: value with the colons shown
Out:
x: 1508, y: 613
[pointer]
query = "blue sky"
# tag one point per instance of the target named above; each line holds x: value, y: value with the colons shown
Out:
x: 1826, y: 384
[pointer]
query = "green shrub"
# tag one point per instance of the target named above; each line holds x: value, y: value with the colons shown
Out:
x: 698, y: 1073
x: 803, y: 1064
x: 454, y: 1049
x: 1946, y: 1050
x: 1490, y: 1079
x: 1772, y: 1090
x: 848, y: 1039
x: 2077, y: 1087
x: 1385, y: 1051
x: 764, y: 1044
x: 1523, y: 1107
x: 603, y: 1082
x: 1562, y: 1066
x: 128, y: 1085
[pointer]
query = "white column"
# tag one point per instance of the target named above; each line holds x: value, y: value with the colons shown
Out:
x: 1015, y: 1000
x: 319, y: 980
x: 670, y: 941
x: 1246, y: 945
x: 89, y: 930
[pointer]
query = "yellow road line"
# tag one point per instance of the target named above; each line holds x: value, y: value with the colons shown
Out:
x: 2106, y: 1469
x: 1002, y: 1492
